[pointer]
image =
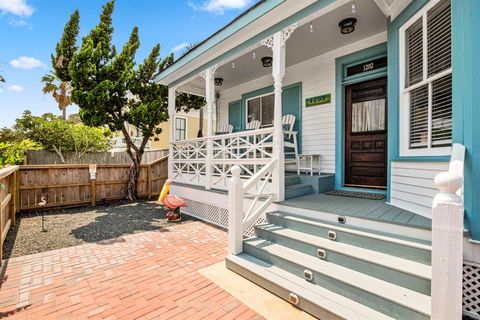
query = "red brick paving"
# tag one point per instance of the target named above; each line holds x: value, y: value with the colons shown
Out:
x: 152, y: 275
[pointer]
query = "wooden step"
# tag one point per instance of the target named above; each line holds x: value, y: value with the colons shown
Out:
x: 322, y: 303
x: 408, y: 249
x: 395, y: 301
x: 403, y: 272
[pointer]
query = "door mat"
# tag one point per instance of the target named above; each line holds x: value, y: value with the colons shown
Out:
x: 356, y: 194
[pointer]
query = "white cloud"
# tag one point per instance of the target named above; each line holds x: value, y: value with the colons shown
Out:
x: 1, y: 90
x: 220, y: 6
x: 16, y: 7
x: 14, y: 22
x: 180, y: 47
x: 26, y: 63
x: 16, y: 88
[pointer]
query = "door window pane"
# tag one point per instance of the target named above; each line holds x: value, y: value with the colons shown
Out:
x: 253, y: 110
x: 368, y: 116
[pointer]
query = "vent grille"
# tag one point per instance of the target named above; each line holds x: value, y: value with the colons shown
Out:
x: 216, y: 215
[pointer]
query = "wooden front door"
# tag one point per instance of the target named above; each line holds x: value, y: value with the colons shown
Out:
x: 366, y: 134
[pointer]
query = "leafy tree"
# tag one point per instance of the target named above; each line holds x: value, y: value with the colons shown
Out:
x: 111, y: 92
x: 12, y: 152
x: 57, y: 82
x: 2, y: 79
x: 61, y: 136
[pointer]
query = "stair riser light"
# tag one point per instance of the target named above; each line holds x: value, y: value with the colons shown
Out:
x: 332, y: 235
x: 308, y: 275
x: 322, y: 254
x: 293, y: 299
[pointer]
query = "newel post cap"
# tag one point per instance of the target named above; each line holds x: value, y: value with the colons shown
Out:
x: 448, y: 182
x: 236, y: 170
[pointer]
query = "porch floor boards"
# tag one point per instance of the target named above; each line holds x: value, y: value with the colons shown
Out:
x: 376, y: 210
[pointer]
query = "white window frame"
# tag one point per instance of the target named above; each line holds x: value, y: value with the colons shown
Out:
x: 256, y: 97
x: 404, y: 129
x: 186, y: 127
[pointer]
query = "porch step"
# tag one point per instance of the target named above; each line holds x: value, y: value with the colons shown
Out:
x: 320, y: 302
x: 382, y: 296
x: 337, y: 270
x: 297, y: 190
x: 402, y: 272
x: 291, y: 179
x: 411, y: 249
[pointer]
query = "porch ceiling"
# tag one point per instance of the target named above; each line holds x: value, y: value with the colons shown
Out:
x: 302, y: 45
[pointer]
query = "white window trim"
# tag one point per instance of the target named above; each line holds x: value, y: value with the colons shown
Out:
x: 186, y: 127
x: 404, y: 129
x: 253, y: 98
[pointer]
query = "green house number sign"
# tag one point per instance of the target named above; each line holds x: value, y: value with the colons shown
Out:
x: 319, y: 100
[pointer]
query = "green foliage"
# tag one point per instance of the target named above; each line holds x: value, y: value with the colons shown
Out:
x: 57, y: 82
x: 110, y: 91
x: 61, y: 136
x: 12, y: 153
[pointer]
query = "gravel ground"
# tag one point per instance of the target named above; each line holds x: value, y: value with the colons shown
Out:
x: 71, y: 227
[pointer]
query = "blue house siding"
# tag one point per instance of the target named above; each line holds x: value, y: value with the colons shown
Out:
x: 466, y: 101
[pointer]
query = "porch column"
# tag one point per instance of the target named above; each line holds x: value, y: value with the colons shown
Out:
x: 171, y: 127
x: 278, y: 72
x: 210, y: 97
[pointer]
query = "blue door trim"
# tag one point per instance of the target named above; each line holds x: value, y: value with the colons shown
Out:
x: 341, y: 64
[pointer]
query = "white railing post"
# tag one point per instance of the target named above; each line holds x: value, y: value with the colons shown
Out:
x: 447, y: 247
x: 210, y: 97
x: 235, y: 212
x: 171, y: 127
x: 278, y: 72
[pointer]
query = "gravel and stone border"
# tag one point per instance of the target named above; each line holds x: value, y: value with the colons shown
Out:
x: 71, y: 227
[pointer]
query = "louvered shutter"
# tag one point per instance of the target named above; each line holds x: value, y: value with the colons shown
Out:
x: 442, y: 112
x: 419, y: 118
x: 268, y: 109
x: 414, y: 50
x: 253, y: 110
x: 439, y: 38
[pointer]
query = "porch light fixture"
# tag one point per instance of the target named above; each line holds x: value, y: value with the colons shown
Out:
x: 254, y: 55
x: 267, y: 62
x: 218, y: 82
x: 311, y: 27
x: 233, y: 65
x: 347, y: 25
x: 354, y: 8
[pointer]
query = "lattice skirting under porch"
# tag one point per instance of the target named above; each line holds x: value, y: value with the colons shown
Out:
x: 471, y: 290
x: 215, y: 215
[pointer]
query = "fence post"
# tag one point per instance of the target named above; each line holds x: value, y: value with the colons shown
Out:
x: 447, y: 248
x: 149, y: 181
x: 13, y: 198
x: 235, y: 212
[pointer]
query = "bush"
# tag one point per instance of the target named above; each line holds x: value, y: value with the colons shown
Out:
x: 12, y: 153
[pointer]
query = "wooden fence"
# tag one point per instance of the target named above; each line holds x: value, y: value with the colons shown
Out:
x: 70, y: 185
x: 8, y: 201
x: 40, y: 157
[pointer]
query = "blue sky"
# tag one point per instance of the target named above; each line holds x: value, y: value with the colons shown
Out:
x: 29, y: 30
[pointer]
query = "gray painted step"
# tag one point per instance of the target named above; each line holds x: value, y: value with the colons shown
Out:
x: 409, y: 274
x: 297, y: 190
x: 292, y: 180
x: 322, y: 303
x: 410, y: 250
x: 392, y: 300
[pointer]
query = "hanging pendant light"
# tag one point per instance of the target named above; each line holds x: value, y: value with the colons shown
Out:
x: 354, y: 8
x: 233, y: 65
x: 254, y: 56
x: 311, y: 27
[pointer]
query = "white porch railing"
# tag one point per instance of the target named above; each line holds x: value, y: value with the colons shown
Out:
x: 447, y: 240
x: 250, y: 150
x: 238, y: 220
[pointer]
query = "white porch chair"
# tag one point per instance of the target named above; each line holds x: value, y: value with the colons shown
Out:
x: 253, y: 125
x: 227, y: 128
x: 290, y: 140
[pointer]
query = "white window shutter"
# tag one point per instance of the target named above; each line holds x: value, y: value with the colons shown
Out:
x: 414, y: 50
x: 439, y: 35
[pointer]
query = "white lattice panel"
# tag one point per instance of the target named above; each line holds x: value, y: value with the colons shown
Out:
x: 471, y: 290
x: 215, y: 215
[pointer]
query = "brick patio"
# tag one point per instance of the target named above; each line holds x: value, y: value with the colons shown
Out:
x: 149, y: 275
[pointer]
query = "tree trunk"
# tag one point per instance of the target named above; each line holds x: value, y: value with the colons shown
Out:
x: 136, y: 154
x: 64, y: 113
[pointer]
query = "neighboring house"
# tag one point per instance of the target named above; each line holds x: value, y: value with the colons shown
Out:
x: 118, y: 141
x: 187, y: 127
x: 381, y: 90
